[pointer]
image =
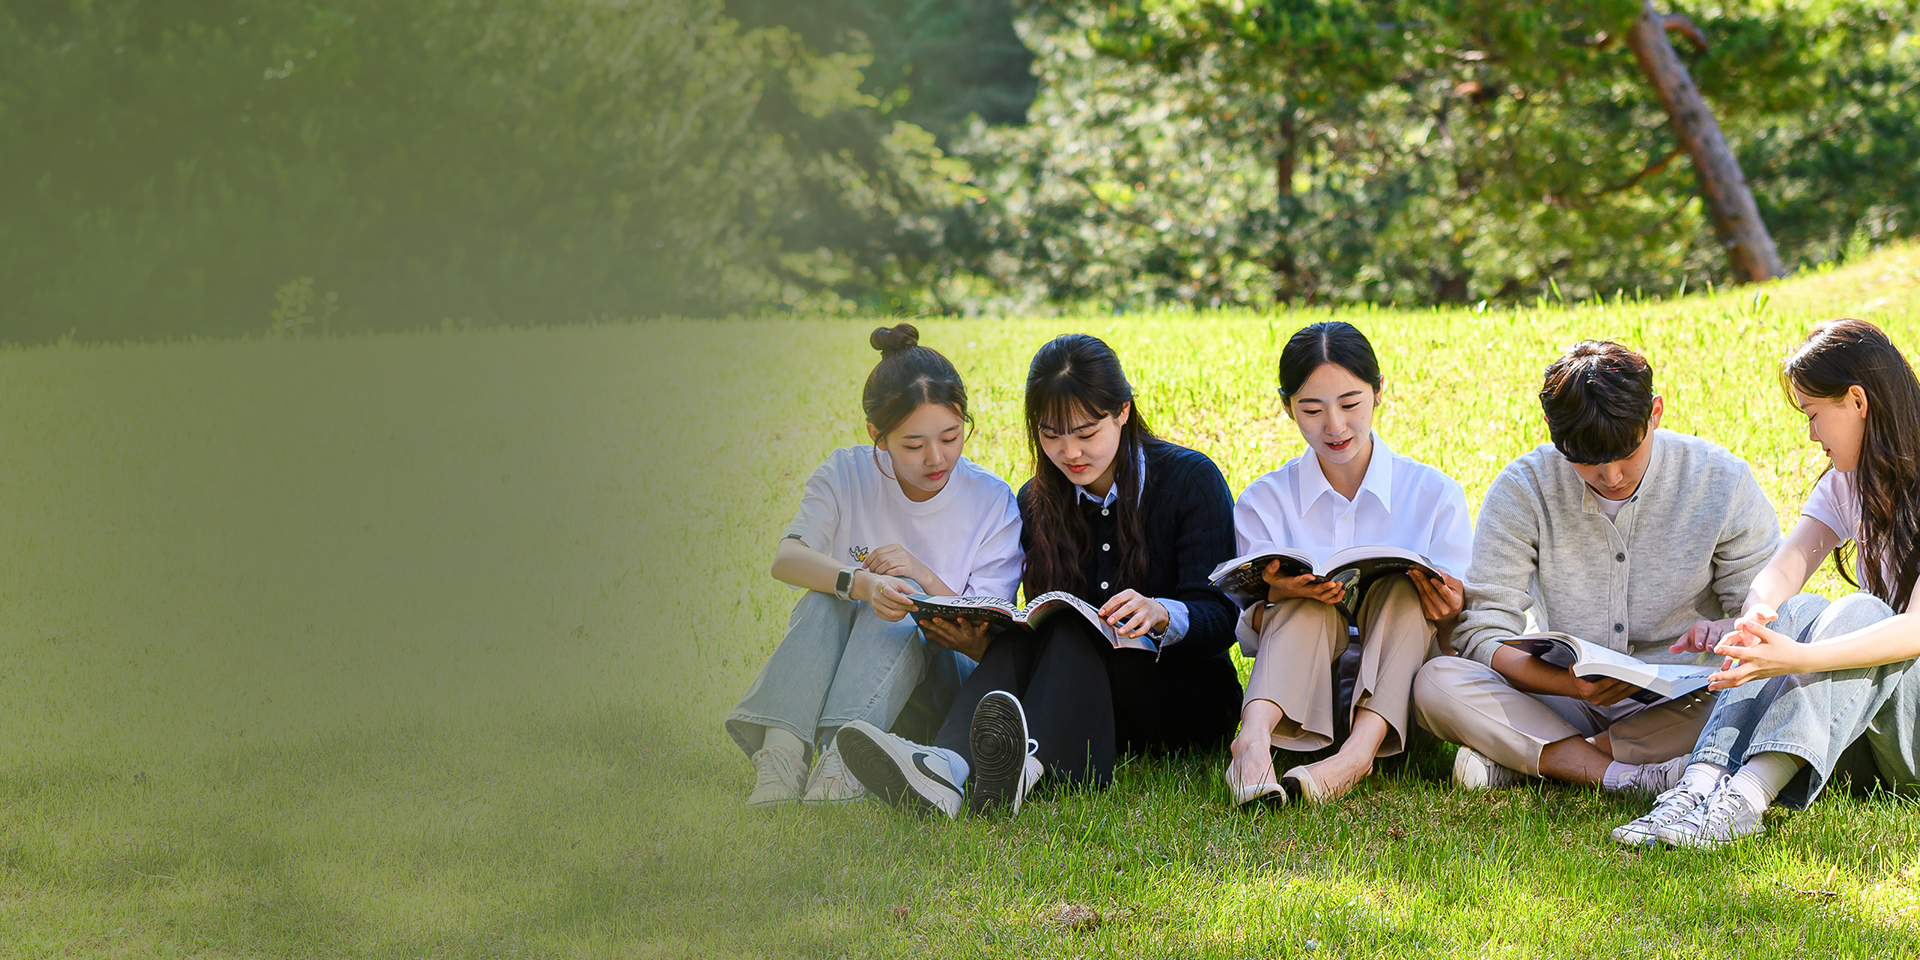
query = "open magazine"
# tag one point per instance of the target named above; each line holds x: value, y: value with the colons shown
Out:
x: 1004, y: 615
x: 1657, y: 681
x: 1357, y: 567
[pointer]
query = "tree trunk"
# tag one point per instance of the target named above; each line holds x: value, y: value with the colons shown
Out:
x: 1286, y: 271
x: 1736, y: 220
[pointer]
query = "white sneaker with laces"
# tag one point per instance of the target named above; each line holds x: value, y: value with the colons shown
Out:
x: 1671, y: 807
x: 1004, y: 765
x: 1722, y: 818
x: 778, y: 777
x: 898, y: 771
x: 829, y: 781
x: 1658, y: 778
x: 1473, y: 770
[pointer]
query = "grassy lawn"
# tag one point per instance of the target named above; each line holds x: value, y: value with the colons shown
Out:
x: 417, y: 646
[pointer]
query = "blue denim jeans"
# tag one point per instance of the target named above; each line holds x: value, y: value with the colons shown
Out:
x: 1819, y: 716
x: 840, y: 662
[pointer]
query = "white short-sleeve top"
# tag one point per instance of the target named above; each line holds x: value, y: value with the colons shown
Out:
x: 968, y: 534
x: 1835, y: 501
x: 1401, y: 503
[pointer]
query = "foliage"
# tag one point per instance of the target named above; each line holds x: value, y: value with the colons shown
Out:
x: 171, y: 164
x: 1429, y: 152
x: 934, y: 63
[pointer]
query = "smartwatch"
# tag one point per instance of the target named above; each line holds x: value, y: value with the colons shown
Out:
x: 843, y: 584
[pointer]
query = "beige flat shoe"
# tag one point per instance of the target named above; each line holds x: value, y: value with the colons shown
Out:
x: 1245, y: 793
x: 1300, y: 783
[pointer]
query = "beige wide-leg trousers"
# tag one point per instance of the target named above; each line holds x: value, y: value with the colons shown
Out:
x: 1299, y: 640
x: 1469, y: 703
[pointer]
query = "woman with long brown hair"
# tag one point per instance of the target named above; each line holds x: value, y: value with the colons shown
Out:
x: 1130, y: 524
x: 1836, y: 673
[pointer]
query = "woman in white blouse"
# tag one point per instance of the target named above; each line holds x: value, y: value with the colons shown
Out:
x: 1347, y: 490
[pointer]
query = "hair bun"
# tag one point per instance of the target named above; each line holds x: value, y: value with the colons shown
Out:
x: 892, y: 340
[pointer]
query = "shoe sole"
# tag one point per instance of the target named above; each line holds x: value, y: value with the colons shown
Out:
x: 999, y: 742
x: 886, y: 777
x: 1691, y: 842
x: 1633, y: 838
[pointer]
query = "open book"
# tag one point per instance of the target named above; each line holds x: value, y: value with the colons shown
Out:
x: 1003, y: 615
x: 1657, y: 681
x: 1357, y: 567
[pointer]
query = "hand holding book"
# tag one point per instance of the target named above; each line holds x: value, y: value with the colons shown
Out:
x: 1286, y: 585
x: 1132, y: 615
x: 961, y: 635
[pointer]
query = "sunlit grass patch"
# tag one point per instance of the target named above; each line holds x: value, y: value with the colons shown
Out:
x: 419, y: 645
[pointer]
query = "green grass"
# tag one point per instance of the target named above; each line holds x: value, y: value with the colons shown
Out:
x: 417, y: 646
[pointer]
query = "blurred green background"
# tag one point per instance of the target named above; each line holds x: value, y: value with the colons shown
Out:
x: 178, y: 168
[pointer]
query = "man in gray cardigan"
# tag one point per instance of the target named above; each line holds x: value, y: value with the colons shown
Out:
x: 1621, y: 534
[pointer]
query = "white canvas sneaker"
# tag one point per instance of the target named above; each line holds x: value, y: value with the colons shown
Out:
x: 1004, y: 767
x: 1473, y: 770
x: 1658, y: 778
x: 897, y: 771
x: 1722, y: 818
x: 1671, y: 807
x: 778, y: 777
x: 829, y: 781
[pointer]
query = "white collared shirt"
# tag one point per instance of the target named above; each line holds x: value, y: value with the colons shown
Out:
x: 1401, y: 503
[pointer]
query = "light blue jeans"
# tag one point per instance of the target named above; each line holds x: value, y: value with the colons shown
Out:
x: 1819, y: 716
x: 840, y: 662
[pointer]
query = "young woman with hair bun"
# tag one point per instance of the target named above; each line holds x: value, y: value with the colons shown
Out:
x: 1130, y: 524
x: 877, y: 523
x: 1348, y: 489
x: 1814, y: 686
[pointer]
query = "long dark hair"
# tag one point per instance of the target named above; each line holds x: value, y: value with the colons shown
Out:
x: 1845, y: 353
x: 1318, y: 344
x: 1075, y: 376
x: 908, y: 376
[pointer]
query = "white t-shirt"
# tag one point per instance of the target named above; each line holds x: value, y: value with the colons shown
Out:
x: 1835, y: 501
x: 968, y: 534
x: 1611, y: 508
x: 1401, y: 503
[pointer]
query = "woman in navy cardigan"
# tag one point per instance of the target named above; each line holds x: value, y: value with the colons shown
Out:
x: 1132, y: 525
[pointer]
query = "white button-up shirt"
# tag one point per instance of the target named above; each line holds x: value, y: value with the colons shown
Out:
x: 1401, y: 503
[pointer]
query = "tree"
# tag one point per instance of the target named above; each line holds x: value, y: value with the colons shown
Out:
x: 1436, y: 152
x: 1736, y: 220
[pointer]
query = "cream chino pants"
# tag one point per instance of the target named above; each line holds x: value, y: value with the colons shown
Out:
x: 1298, y: 643
x: 1469, y: 703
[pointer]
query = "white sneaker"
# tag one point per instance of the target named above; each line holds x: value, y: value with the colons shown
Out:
x: 1652, y: 778
x: 1473, y: 770
x: 1004, y: 765
x: 1673, y: 805
x: 1658, y: 778
x: 1723, y: 817
x: 778, y: 777
x: 898, y: 771
x: 829, y: 781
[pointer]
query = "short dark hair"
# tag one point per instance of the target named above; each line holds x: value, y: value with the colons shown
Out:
x: 1328, y: 341
x: 1598, y: 398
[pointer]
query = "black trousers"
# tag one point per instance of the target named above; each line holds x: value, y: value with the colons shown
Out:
x: 1083, y: 699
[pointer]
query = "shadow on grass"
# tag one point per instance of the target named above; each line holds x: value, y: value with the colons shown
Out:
x: 607, y: 832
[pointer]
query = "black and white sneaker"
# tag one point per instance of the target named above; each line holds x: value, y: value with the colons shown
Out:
x: 898, y: 771
x: 1004, y: 767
